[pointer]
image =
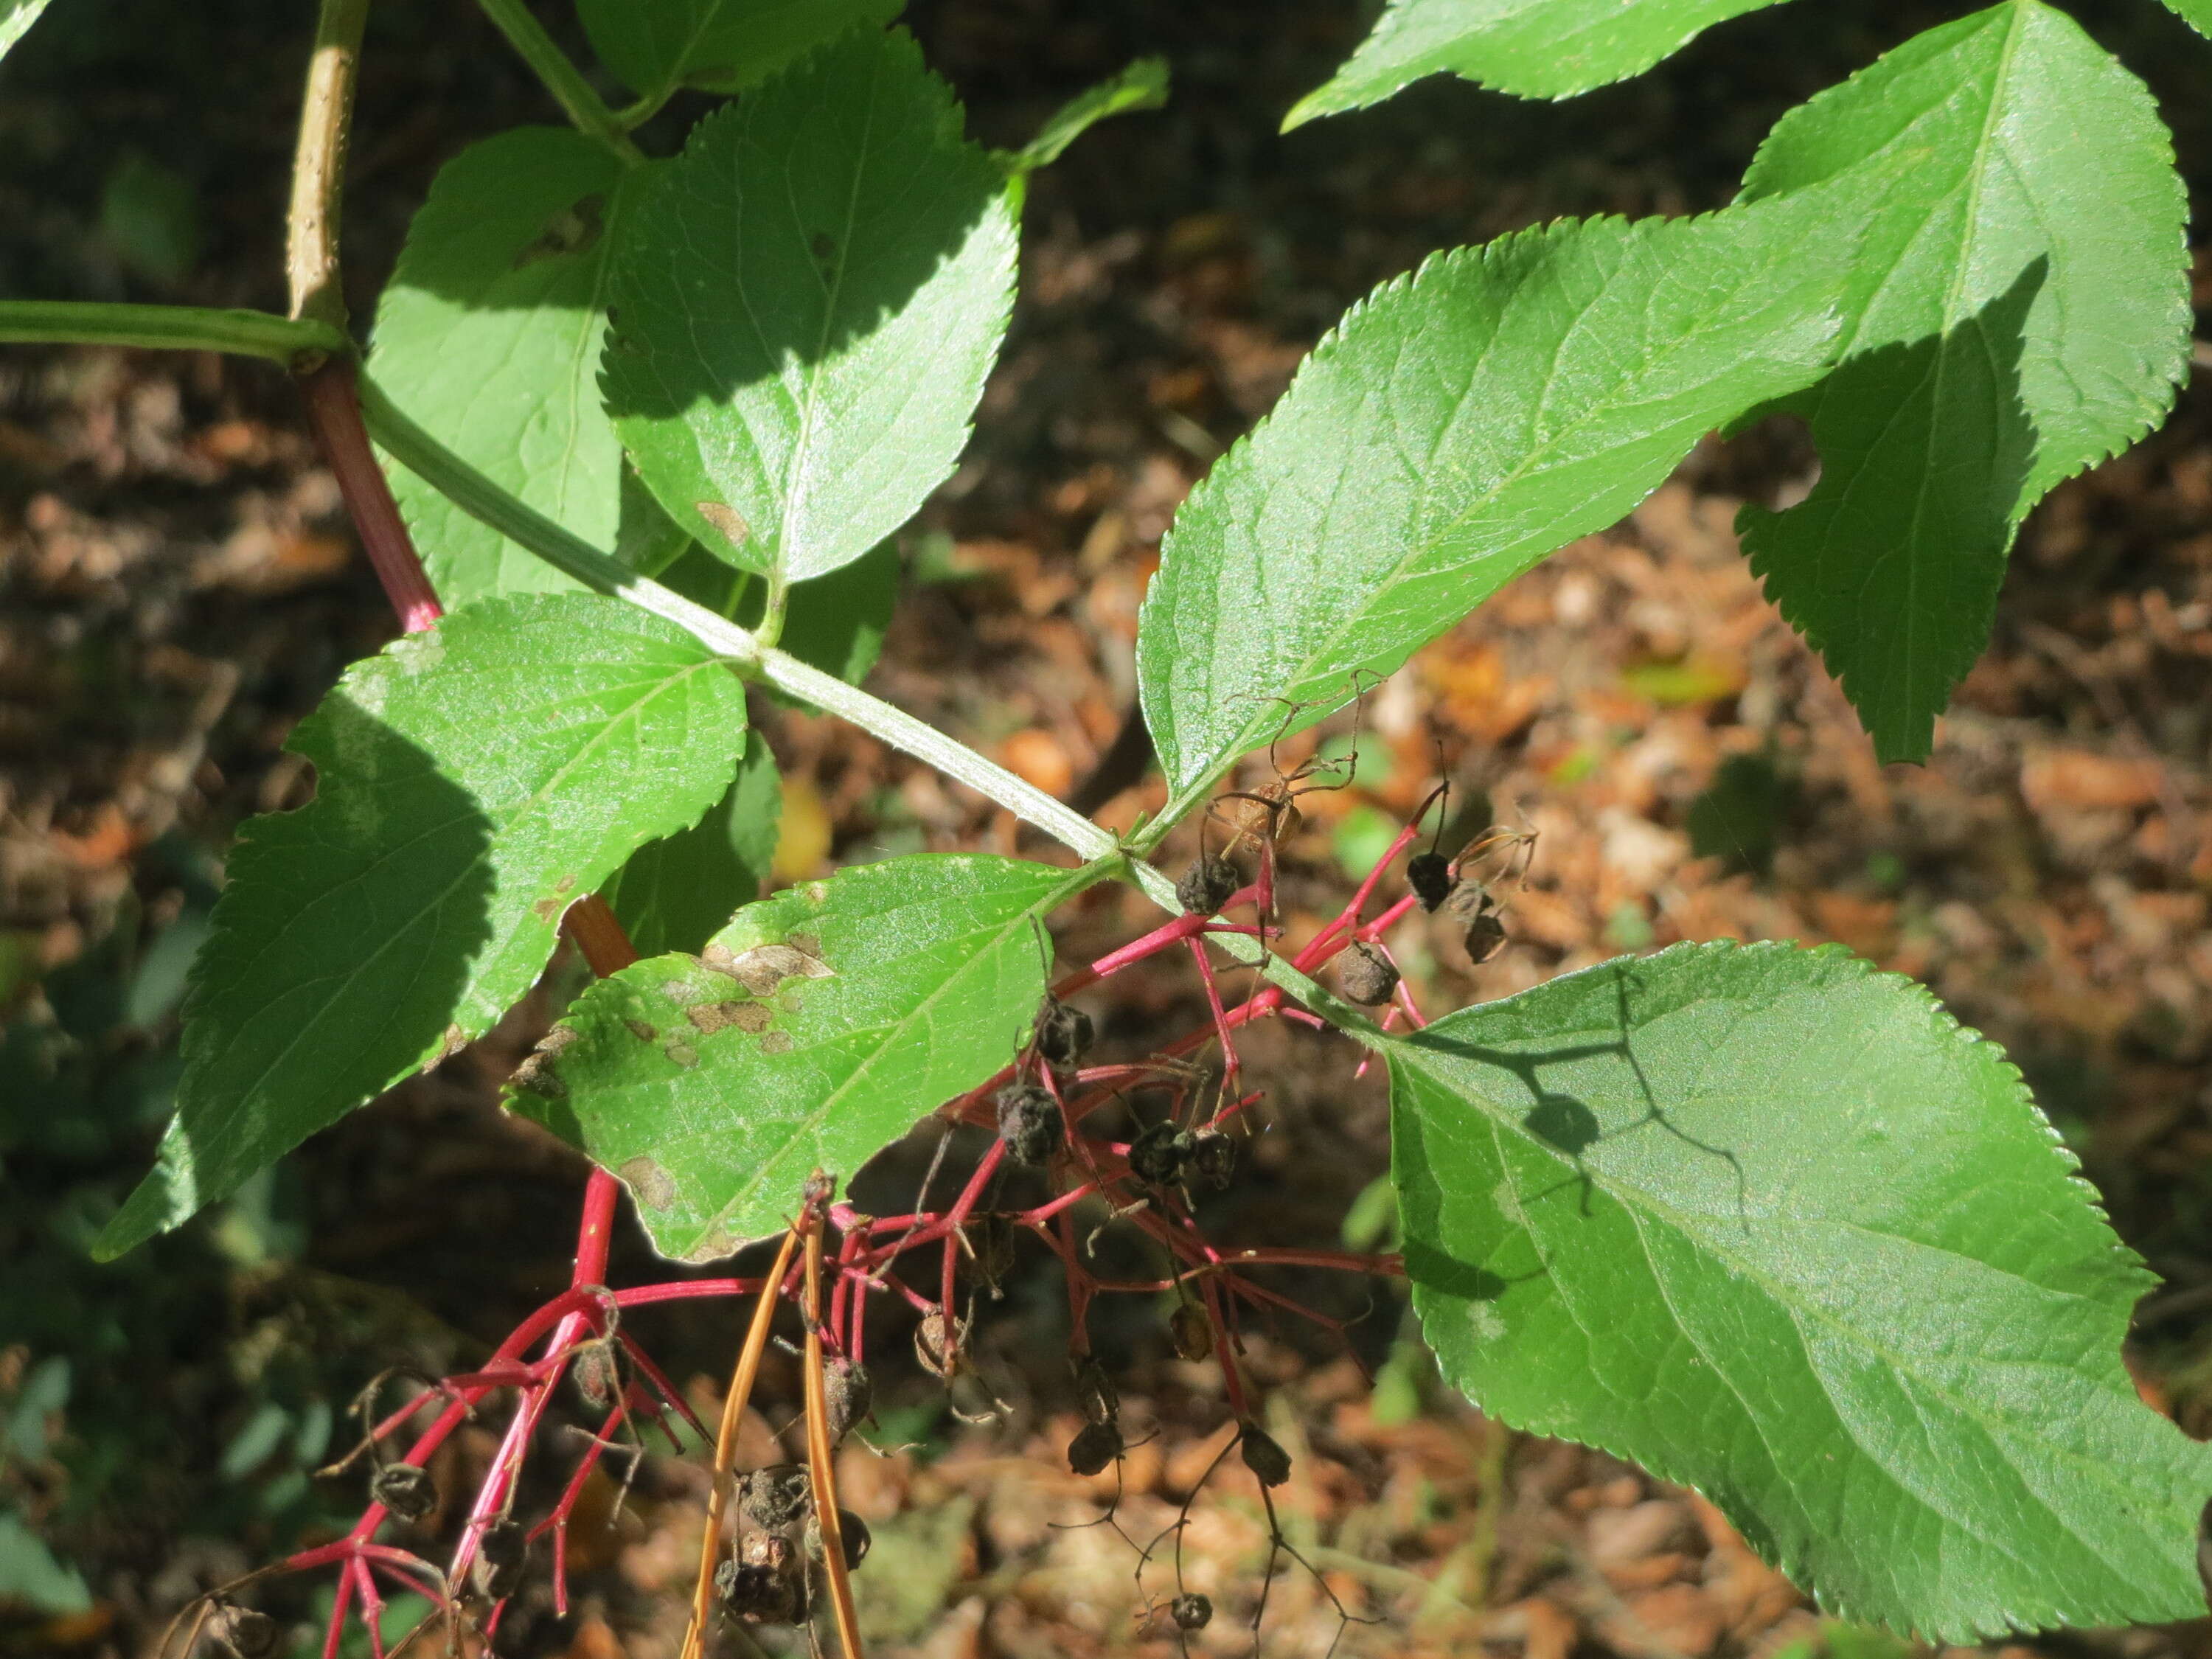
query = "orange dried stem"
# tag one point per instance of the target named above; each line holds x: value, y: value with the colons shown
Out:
x: 818, y: 1461
x: 725, y: 1445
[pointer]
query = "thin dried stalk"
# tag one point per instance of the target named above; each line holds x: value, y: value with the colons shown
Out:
x: 818, y: 1450
x: 725, y: 1445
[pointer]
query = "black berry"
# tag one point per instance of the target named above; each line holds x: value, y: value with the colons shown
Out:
x: 1430, y: 875
x: 1029, y: 1123
x: 1095, y: 1446
x: 1206, y: 885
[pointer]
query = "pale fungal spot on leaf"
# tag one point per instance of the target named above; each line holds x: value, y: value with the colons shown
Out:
x: 764, y: 966
x: 789, y: 1002
x: 642, y: 1031
x: 1487, y: 1323
x: 727, y: 523
x: 775, y: 1043
x: 683, y: 1054
x: 714, y: 1247
x: 651, y: 1184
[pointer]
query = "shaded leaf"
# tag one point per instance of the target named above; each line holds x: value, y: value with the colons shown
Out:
x: 2019, y: 310
x: 1773, y: 1225
x: 470, y: 782
x: 489, y: 333
x: 1458, y: 426
x: 724, y: 45
x: 2197, y: 13
x: 817, y: 1027
x: 675, y: 893
x: 806, y: 309
x: 1142, y: 85
x: 1532, y: 48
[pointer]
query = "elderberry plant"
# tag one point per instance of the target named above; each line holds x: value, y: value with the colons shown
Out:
x: 1761, y: 1219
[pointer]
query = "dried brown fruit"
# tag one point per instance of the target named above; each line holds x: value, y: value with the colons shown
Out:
x: 246, y: 1631
x: 1191, y: 1330
x: 1191, y: 1612
x: 502, y: 1554
x: 1160, y: 1153
x: 1430, y: 875
x: 1095, y: 1446
x: 1213, y: 1154
x: 405, y: 1489
x: 774, y: 1497
x: 1094, y: 1393
x: 1365, y: 974
x: 1264, y: 1455
x: 847, y: 1392
x: 1063, y: 1033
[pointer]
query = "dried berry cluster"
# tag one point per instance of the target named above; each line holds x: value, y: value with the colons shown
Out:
x: 838, y: 1263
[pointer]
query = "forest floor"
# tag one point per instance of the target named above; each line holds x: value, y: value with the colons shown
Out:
x: 180, y: 586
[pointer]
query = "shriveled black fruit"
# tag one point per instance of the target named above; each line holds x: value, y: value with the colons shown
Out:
x: 502, y: 1552
x: 246, y: 1631
x: 764, y: 1592
x: 1095, y: 1446
x: 1191, y: 1331
x: 1191, y: 1612
x: 1213, y: 1154
x: 405, y: 1489
x: 1486, y: 935
x: 597, y: 1374
x: 1365, y: 974
x: 1094, y: 1393
x: 775, y: 1497
x: 1206, y: 885
x: 851, y: 1532
x: 1264, y: 1455
x: 1029, y: 1123
x: 1063, y: 1033
x: 848, y: 1392
x: 1159, y: 1154
x: 1429, y: 876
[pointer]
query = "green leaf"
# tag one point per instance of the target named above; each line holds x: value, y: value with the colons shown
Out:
x: 2018, y: 311
x: 2197, y: 13
x: 1142, y: 85
x: 724, y: 45
x: 805, y: 310
x: 1531, y: 48
x: 472, y: 781
x: 818, y: 1026
x: 1458, y: 426
x: 1773, y: 1225
x: 489, y: 335
x: 30, y: 1574
x: 16, y: 17
x: 676, y: 893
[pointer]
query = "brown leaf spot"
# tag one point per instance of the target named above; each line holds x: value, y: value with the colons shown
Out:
x: 726, y: 521
x: 451, y: 1043
x: 546, y: 909
x: 713, y: 1017
x: 649, y: 1181
x: 641, y: 1031
x: 536, y: 1074
x: 775, y: 1043
x: 571, y: 230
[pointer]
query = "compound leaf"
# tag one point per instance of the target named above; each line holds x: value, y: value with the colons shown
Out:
x: 806, y: 308
x: 1773, y: 1224
x: 816, y: 1027
x: 2018, y: 311
x: 471, y: 782
x: 1531, y: 48
x: 675, y: 893
x: 1458, y: 426
x: 489, y: 336
x: 724, y: 45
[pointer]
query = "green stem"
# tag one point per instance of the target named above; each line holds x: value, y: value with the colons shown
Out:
x: 482, y: 499
x: 173, y: 328
x: 582, y: 105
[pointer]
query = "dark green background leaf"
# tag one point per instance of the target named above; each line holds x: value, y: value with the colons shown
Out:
x: 489, y: 334
x: 1458, y: 426
x: 841, y: 1012
x: 1771, y: 1225
x: 470, y: 782
x: 805, y: 310
x: 2020, y: 310
x: 676, y: 893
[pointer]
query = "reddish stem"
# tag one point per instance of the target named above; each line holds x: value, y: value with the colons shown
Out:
x: 334, y: 414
